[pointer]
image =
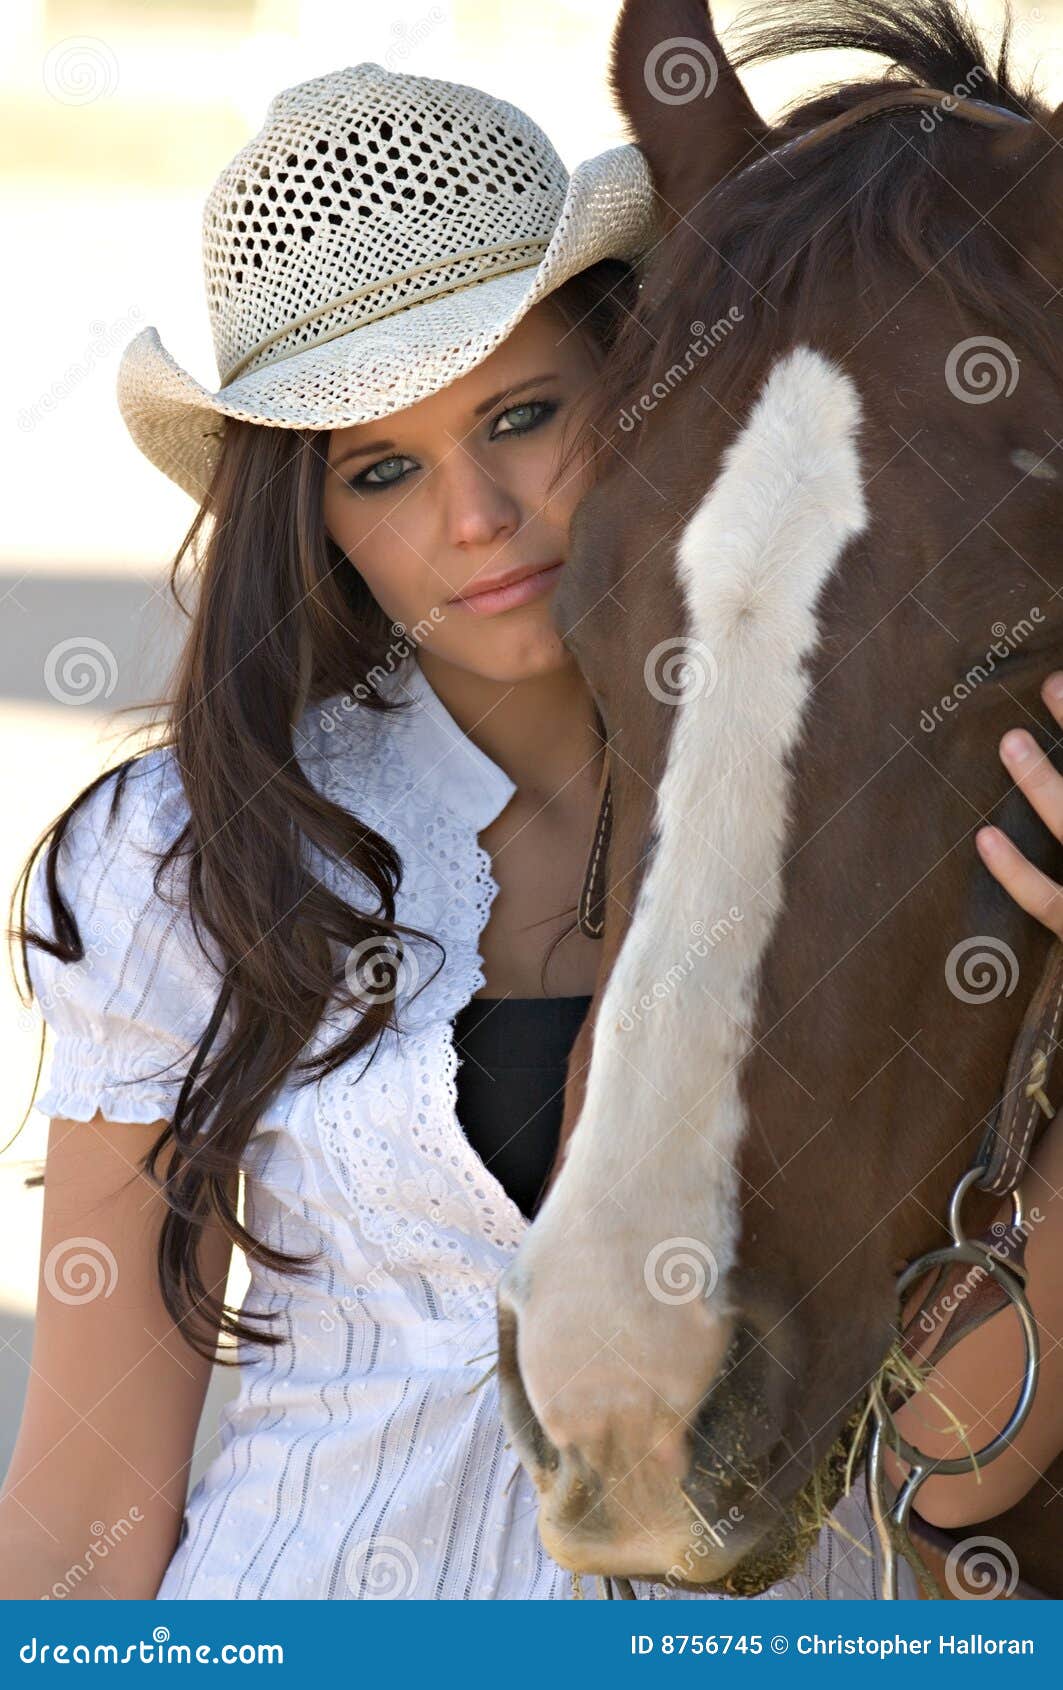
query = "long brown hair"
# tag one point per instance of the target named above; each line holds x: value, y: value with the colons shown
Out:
x: 282, y: 620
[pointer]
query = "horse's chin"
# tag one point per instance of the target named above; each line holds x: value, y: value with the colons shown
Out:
x: 782, y: 1552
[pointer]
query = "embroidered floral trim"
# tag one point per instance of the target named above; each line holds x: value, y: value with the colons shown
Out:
x: 389, y: 1127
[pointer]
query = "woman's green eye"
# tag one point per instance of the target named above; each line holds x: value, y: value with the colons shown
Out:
x: 535, y: 411
x: 528, y: 406
x: 386, y: 480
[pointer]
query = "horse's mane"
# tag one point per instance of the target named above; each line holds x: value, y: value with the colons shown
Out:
x: 874, y: 201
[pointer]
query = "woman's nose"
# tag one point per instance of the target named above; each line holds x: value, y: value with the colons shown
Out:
x: 479, y: 508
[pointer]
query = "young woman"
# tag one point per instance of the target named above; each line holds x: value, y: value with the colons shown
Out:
x: 375, y: 736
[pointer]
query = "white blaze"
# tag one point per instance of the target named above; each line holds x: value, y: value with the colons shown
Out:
x: 677, y: 1013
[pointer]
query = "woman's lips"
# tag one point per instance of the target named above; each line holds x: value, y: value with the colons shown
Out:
x: 518, y: 592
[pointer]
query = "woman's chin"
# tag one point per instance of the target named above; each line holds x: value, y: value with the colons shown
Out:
x: 524, y: 653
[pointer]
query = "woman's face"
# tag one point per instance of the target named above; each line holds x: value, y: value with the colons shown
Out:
x: 456, y: 488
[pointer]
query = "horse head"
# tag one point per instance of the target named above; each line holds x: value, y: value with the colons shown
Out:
x: 817, y: 577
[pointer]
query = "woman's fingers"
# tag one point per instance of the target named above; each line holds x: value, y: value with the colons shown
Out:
x: 1036, y: 778
x: 1034, y: 775
x: 1033, y: 891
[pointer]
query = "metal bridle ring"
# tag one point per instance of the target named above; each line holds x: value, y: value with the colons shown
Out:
x: 1013, y: 1288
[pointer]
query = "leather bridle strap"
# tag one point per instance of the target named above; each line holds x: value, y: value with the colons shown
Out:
x: 1018, y: 1118
x: 1024, y: 1104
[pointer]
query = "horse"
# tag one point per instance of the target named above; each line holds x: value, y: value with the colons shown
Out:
x: 817, y: 575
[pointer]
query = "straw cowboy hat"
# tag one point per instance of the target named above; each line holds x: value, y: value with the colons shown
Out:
x: 378, y: 237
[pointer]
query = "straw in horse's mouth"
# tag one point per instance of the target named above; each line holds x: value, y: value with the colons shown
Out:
x: 784, y: 1551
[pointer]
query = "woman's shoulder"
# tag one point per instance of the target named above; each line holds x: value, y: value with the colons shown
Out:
x: 144, y: 986
x: 138, y: 807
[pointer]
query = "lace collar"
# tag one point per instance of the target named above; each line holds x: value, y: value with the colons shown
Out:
x: 439, y: 755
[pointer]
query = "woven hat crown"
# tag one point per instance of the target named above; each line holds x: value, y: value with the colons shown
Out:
x: 337, y: 212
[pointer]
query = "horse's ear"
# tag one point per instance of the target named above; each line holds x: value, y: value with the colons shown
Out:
x: 683, y: 101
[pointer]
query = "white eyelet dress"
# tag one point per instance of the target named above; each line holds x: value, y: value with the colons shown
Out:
x: 357, y: 1460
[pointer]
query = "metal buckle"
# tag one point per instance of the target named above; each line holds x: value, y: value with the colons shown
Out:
x: 892, y: 1519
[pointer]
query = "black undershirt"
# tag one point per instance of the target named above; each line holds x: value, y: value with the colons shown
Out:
x: 511, y: 1085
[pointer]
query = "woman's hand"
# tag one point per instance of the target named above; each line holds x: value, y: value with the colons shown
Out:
x: 1043, y: 786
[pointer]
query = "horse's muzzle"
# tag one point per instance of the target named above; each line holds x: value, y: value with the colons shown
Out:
x: 634, y: 1491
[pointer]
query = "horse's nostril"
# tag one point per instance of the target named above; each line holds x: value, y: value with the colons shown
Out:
x: 526, y: 1435
x: 737, y: 1424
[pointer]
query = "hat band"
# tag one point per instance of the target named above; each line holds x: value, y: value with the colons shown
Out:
x: 501, y: 266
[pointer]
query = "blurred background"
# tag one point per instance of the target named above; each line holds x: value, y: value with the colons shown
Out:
x: 116, y: 118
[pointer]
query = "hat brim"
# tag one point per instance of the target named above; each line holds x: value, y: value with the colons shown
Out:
x: 609, y: 211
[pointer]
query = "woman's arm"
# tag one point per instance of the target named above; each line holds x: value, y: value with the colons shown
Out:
x: 93, y: 1499
x: 978, y: 1382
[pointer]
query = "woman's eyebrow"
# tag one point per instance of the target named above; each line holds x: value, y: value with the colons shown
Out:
x: 484, y: 406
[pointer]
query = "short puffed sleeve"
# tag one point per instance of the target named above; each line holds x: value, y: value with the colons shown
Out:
x: 127, y: 1018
